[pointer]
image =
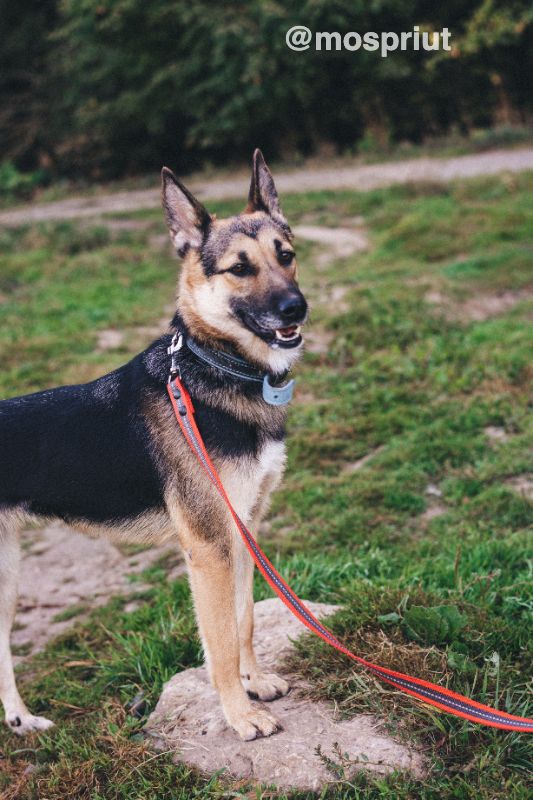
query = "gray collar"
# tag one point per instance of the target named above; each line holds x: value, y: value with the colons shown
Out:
x: 237, y: 367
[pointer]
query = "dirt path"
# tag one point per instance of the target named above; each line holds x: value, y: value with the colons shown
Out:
x: 357, y: 177
x: 341, y: 242
x: 65, y: 574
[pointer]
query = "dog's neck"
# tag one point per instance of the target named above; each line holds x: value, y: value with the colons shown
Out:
x: 214, y: 388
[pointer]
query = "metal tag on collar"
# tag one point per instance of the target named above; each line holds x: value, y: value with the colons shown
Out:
x: 277, y: 395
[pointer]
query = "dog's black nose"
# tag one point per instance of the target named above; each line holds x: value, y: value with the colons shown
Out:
x: 292, y: 308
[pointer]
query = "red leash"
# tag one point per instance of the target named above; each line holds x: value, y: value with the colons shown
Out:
x: 437, y: 696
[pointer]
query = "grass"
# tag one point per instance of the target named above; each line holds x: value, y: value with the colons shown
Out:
x: 70, y: 612
x: 402, y: 380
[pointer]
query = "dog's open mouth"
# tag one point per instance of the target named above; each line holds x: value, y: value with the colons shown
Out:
x: 288, y: 334
x: 287, y: 337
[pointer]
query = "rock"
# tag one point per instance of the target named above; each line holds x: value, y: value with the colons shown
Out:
x: 523, y: 484
x: 188, y: 718
x: 496, y: 434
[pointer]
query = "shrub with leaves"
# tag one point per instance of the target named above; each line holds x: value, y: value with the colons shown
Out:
x: 123, y: 85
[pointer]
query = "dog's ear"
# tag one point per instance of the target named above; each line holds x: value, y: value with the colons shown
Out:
x: 187, y: 219
x: 263, y: 195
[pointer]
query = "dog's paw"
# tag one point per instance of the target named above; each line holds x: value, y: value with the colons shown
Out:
x: 24, y: 723
x: 265, y: 686
x: 254, y: 723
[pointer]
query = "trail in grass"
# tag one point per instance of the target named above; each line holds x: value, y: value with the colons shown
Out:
x: 66, y: 574
x: 360, y: 178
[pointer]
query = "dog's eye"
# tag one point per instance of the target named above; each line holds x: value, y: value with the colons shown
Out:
x: 286, y: 257
x: 240, y: 269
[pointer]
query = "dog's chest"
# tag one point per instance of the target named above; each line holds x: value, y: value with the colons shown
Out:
x: 248, y: 480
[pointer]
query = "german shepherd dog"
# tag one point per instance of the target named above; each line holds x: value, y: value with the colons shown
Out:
x: 108, y: 457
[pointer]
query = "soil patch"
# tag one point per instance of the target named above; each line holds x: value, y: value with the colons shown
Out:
x: 523, y: 484
x: 66, y: 574
x: 479, y: 307
x: 359, y: 178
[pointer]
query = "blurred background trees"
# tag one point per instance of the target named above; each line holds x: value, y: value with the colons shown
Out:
x: 117, y: 87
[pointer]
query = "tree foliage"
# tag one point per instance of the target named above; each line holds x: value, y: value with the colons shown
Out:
x: 119, y: 86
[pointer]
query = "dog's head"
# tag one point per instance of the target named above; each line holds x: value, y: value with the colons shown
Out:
x: 239, y: 278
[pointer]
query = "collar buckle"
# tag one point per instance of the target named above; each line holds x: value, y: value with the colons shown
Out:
x: 175, y: 346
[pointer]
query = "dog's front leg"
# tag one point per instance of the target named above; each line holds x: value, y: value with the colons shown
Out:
x: 263, y: 685
x: 258, y: 684
x: 211, y: 573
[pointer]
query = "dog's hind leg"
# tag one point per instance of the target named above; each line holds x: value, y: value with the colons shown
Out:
x: 17, y: 716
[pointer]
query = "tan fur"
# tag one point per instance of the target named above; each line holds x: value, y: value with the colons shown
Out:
x: 152, y: 528
x: 266, y: 686
x: 204, y: 304
x: 221, y: 581
x: 212, y: 582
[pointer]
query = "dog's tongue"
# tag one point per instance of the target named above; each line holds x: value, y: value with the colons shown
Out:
x: 289, y: 330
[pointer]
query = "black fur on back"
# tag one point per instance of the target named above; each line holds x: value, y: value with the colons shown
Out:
x: 86, y: 453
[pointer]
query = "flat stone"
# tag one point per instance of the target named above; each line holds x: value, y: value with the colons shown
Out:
x: 188, y: 718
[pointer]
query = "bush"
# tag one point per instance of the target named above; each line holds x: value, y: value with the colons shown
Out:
x: 15, y: 184
x: 122, y: 86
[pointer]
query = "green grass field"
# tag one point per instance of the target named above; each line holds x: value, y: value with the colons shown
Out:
x: 419, y: 387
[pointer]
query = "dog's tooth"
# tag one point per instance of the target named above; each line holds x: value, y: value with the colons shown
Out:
x: 293, y: 335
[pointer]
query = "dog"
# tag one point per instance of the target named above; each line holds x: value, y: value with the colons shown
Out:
x: 108, y: 458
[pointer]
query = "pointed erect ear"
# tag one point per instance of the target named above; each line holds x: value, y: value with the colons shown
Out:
x: 263, y: 195
x: 186, y: 217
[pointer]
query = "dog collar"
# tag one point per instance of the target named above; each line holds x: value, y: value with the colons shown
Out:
x: 232, y: 365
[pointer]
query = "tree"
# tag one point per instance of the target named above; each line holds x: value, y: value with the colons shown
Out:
x: 25, y: 89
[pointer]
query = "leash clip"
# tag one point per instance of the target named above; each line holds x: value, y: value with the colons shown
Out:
x: 175, y: 346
